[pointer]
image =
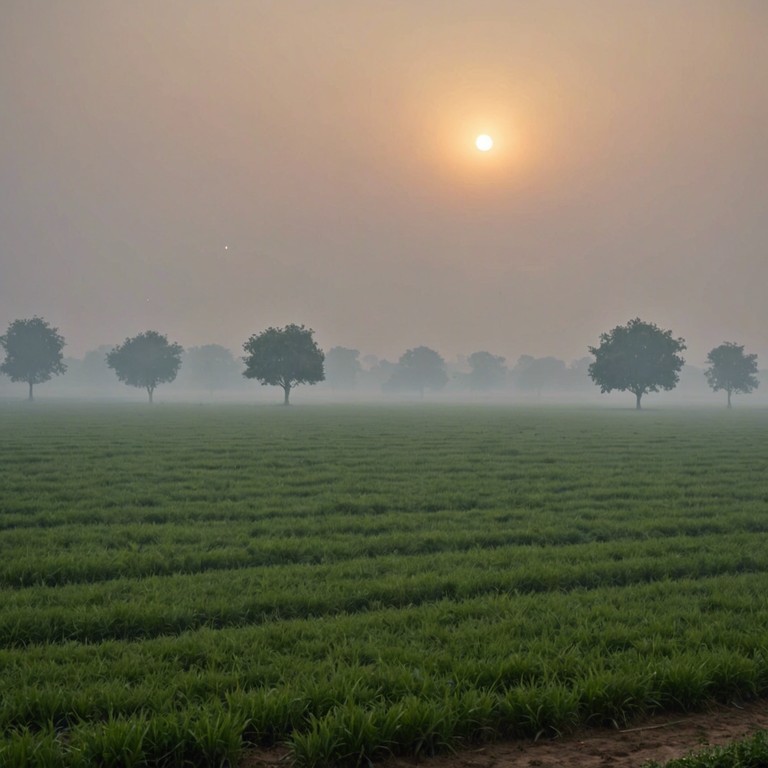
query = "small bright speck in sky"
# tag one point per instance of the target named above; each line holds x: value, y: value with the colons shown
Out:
x: 484, y: 142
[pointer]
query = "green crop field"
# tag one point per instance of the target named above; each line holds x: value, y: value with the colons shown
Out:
x: 179, y: 583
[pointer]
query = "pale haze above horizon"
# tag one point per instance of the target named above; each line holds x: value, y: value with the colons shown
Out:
x: 209, y: 169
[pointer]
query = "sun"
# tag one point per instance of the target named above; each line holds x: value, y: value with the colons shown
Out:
x: 484, y: 142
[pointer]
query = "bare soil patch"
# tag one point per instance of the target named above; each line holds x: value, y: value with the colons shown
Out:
x: 661, y: 738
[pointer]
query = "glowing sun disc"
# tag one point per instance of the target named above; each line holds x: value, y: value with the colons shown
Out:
x: 484, y: 142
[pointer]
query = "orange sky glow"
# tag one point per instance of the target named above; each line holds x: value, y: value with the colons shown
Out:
x: 330, y: 148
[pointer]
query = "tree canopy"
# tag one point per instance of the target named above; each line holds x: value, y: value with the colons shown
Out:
x: 637, y: 357
x: 210, y: 367
x: 284, y: 357
x: 418, y: 369
x: 33, y: 352
x: 731, y: 370
x: 145, y: 361
x: 535, y: 374
x: 94, y: 368
x: 487, y: 371
x: 342, y: 367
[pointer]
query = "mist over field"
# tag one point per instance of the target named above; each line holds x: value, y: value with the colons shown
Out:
x: 550, y: 381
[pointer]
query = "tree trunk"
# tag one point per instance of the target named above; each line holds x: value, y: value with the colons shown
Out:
x: 287, y: 390
x: 150, y: 391
x: 30, y: 397
x: 729, y: 398
x: 638, y: 395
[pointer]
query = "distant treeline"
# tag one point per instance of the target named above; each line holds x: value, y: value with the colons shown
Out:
x: 212, y: 368
x: 534, y: 376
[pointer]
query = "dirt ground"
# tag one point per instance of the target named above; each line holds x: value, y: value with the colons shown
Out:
x: 659, y: 738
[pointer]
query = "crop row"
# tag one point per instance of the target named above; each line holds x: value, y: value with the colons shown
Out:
x: 347, y: 734
x: 414, y: 680
x: 307, y: 495
x: 59, y: 471
x: 485, y: 643
x: 79, y: 554
x: 125, y: 608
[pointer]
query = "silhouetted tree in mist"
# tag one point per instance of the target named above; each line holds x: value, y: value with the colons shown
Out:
x: 33, y: 352
x: 486, y: 371
x: 145, y: 361
x: 284, y: 357
x: 536, y: 374
x: 731, y: 370
x: 418, y: 369
x: 378, y: 372
x: 342, y: 367
x: 577, y: 375
x: 210, y: 366
x: 94, y: 368
x: 637, y: 357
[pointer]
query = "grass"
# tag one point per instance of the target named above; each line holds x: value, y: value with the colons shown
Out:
x: 752, y: 752
x: 177, y: 583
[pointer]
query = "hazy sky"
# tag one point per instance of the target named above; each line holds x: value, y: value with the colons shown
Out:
x: 209, y: 168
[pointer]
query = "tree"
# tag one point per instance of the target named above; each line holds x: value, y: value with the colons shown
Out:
x: 378, y: 373
x: 487, y: 371
x: 211, y: 367
x: 342, y: 367
x: 577, y: 375
x: 637, y: 357
x: 539, y: 373
x: 284, y: 357
x: 94, y: 368
x: 145, y: 361
x: 418, y: 369
x: 730, y: 369
x: 33, y: 352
